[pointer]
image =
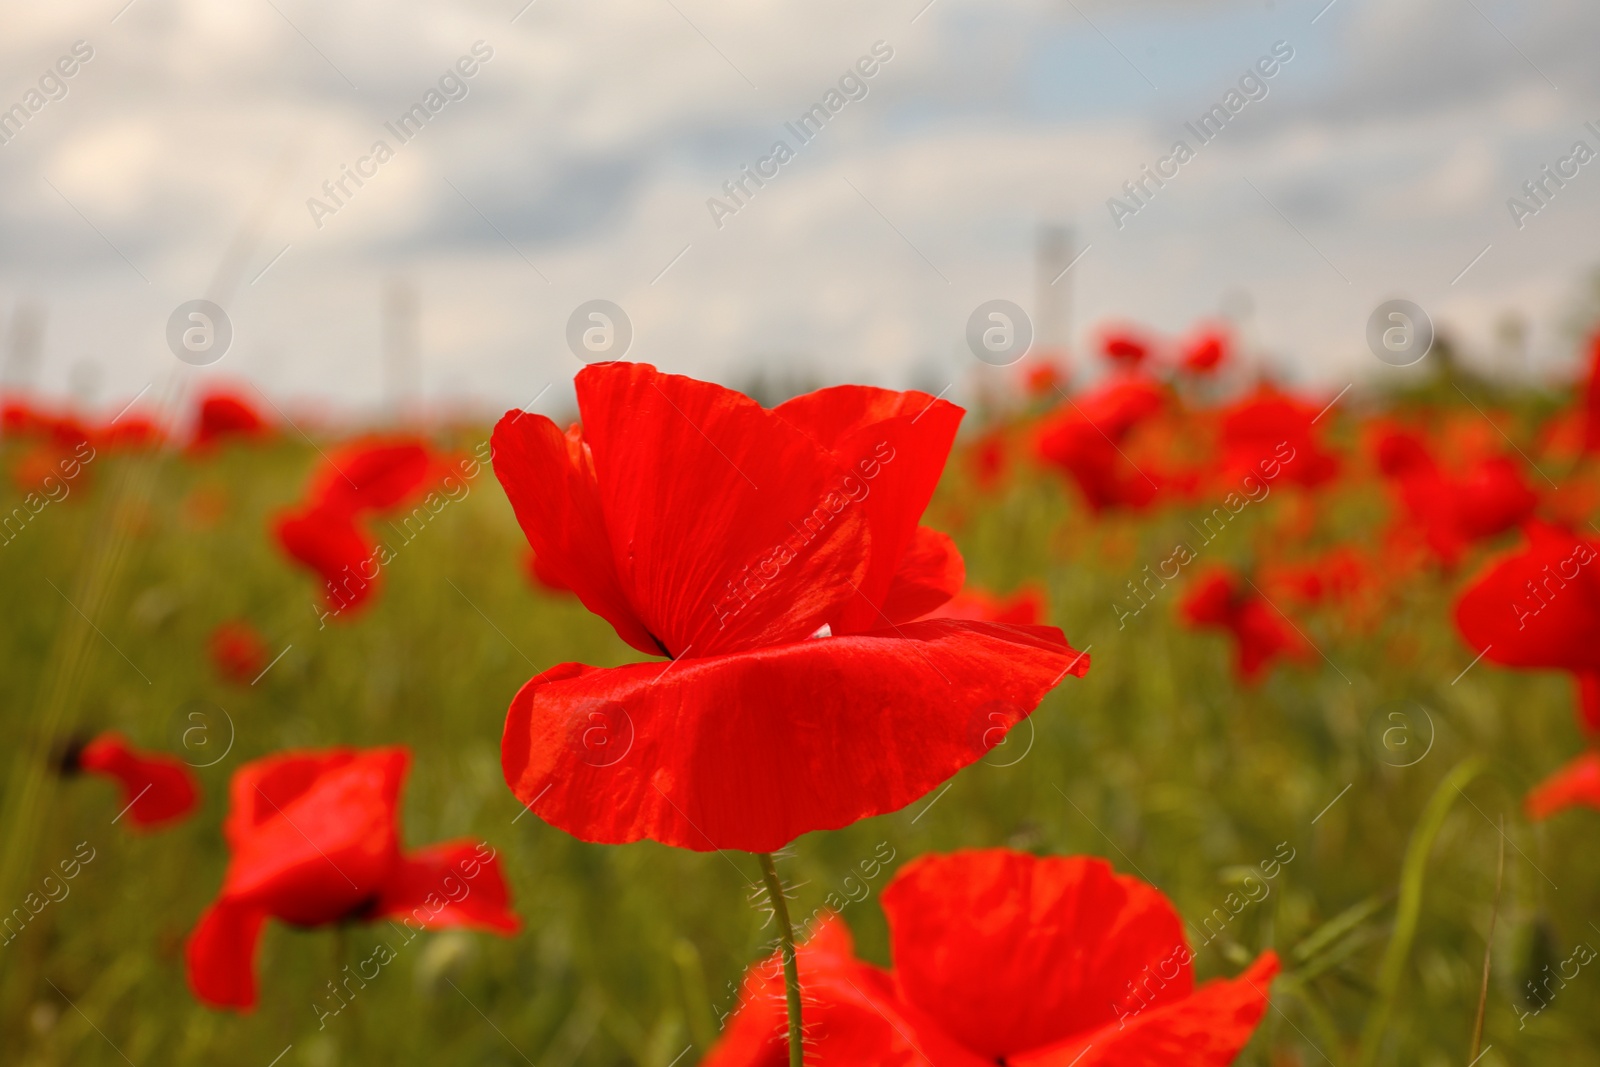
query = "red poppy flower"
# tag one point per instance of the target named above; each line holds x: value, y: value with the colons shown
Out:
x: 1539, y: 607
x: 1274, y: 434
x: 364, y: 476
x: 1025, y: 607
x: 156, y: 788
x: 1205, y: 350
x: 1577, y: 784
x: 1042, y: 379
x: 1220, y: 599
x: 238, y: 651
x: 373, y: 474
x: 1084, y: 436
x: 224, y: 415
x: 330, y: 543
x: 776, y: 557
x: 989, y: 458
x: 1488, y: 498
x: 1125, y: 346
x: 130, y: 431
x: 314, y: 839
x: 1002, y: 957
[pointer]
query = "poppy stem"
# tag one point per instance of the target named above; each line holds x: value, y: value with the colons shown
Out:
x: 791, y: 968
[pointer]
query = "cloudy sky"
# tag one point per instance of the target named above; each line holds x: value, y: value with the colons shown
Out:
x: 578, y: 159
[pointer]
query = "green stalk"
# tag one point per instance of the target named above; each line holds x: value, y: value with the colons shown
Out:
x: 1412, y: 871
x: 791, y: 967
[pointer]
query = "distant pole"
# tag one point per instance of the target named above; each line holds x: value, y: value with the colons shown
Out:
x: 23, y: 346
x: 402, y: 358
x: 1053, y: 283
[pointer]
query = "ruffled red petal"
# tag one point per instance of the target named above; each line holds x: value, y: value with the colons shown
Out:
x: 696, y: 522
x: 550, y: 482
x: 731, y: 529
x: 750, y: 751
x: 221, y: 955
x: 894, y: 447
x: 1206, y: 1029
x: 314, y: 836
x: 458, y: 883
x: 1011, y: 952
x: 156, y: 788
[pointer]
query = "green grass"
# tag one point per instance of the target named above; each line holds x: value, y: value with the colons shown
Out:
x: 1158, y: 760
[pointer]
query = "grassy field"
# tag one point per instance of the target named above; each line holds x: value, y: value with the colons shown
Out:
x: 1159, y: 760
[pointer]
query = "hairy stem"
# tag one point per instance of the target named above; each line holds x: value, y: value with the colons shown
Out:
x: 791, y: 968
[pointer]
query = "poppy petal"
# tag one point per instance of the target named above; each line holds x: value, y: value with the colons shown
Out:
x: 749, y: 751
x: 1576, y: 784
x: 1538, y: 606
x: 851, y: 1013
x: 372, y: 475
x: 931, y: 572
x: 331, y: 545
x: 1011, y: 952
x: 894, y: 446
x: 1205, y: 1029
x: 156, y: 788
x: 326, y: 850
x: 451, y: 884
x: 730, y: 528
x: 221, y: 955
x: 550, y: 482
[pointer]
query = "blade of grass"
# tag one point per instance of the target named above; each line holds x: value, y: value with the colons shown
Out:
x: 1413, y: 870
x: 1488, y: 946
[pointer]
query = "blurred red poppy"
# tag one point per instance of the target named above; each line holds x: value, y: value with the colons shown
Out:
x: 989, y: 458
x: 1084, y: 435
x: 330, y: 543
x: 1125, y: 346
x: 1205, y: 350
x: 224, y: 415
x: 1219, y: 599
x: 324, y: 533
x: 1003, y: 957
x: 238, y: 651
x: 1025, y: 607
x: 1575, y: 785
x: 1487, y: 498
x: 314, y: 839
x: 776, y: 557
x: 1539, y: 607
x: 372, y: 474
x: 157, y: 789
x: 1042, y: 379
x: 1271, y: 431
